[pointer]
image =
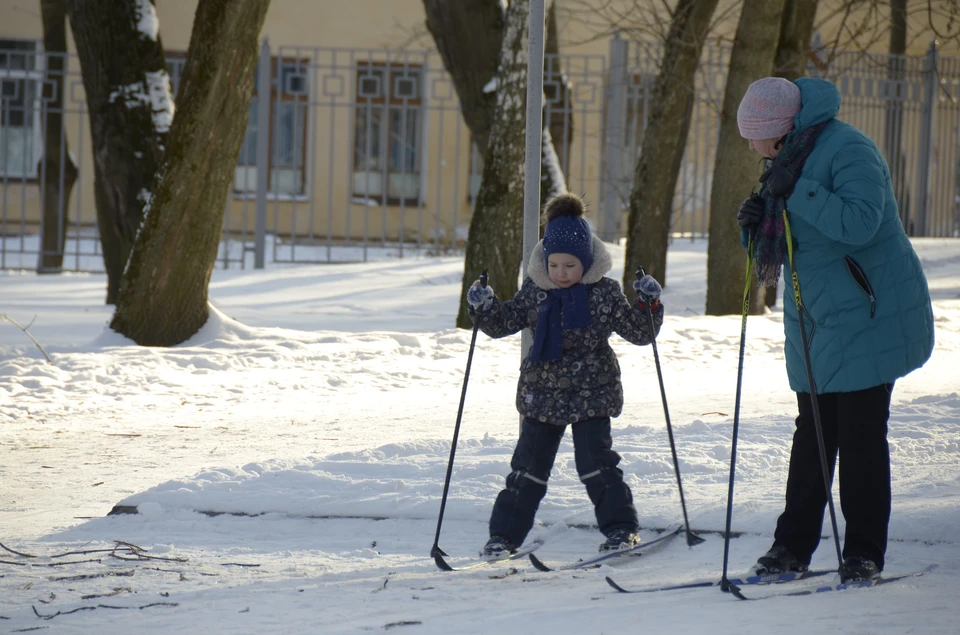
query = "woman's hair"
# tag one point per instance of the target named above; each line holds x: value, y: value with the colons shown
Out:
x: 562, y: 205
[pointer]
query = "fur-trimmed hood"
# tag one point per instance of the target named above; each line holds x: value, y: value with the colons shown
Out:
x: 537, y: 266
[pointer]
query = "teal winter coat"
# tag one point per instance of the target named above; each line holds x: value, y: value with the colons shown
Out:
x: 844, y: 218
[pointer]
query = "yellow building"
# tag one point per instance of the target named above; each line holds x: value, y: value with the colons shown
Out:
x: 366, y: 141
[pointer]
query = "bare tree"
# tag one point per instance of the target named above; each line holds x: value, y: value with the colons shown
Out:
x: 468, y: 34
x: 56, y: 169
x: 131, y: 106
x: 495, y: 241
x: 163, y: 294
x: 655, y: 176
x: 736, y: 168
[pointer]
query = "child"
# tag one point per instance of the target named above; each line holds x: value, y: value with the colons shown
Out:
x: 570, y: 376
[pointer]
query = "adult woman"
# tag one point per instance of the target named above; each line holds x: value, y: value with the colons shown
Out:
x: 866, y: 306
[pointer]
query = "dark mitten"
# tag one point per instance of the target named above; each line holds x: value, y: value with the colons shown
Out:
x: 779, y: 180
x: 751, y: 212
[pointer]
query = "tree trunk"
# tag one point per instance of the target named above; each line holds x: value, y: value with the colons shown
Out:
x: 655, y: 176
x: 131, y: 107
x: 495, y: 241
x: 796, y: 30
x: 737, y: 168
x: 163, y: 294
x: 896, y: 68
x: 468, y: 35
x: 56, y: 169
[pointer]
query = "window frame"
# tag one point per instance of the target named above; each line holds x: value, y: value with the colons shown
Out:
x: 385, y: 103
x: 36, y: 76
x: 303, y: 98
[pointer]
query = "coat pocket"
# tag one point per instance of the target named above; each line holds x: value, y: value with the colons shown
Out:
x: 860, y: 277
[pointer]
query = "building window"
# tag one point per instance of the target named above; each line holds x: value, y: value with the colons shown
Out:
x: 289, y: 95
x: 21, y: 78
x: 387, y: 133
x: 289, y: 98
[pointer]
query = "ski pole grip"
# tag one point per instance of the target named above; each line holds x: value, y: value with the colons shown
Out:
x: 483, y: 278
x: 640, y: 272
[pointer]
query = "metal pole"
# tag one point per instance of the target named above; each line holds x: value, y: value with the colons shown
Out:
x: 931, y: 88
x: 613, y: 159
x: 263, y: 155
x: 533, y: 147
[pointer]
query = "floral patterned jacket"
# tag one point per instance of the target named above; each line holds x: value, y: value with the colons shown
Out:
x: 585, y: 382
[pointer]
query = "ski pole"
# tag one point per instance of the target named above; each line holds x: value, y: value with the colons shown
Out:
x: 692, y: 538
x: 804, y: 341
x: 725, y: 584
x: 436, y: 552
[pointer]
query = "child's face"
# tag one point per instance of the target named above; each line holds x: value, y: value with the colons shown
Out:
x: 565, y: 270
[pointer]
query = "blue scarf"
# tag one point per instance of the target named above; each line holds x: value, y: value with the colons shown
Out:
x: 563, y: 309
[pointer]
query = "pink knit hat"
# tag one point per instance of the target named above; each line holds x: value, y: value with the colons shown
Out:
x: 768, y: 109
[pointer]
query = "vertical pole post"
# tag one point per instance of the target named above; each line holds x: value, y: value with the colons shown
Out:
x: 263, y: 155
x: 609, y: 222
x: 931, y: 92
x: 533, y: 146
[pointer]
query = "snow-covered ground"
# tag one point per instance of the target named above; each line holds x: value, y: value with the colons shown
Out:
x: 316, y: 410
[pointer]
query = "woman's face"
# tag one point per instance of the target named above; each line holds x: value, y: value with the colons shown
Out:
x: 766, y: 147
x: 565, y: 270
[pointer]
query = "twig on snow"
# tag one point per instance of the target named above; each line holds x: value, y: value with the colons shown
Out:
x: 6, y: 317
x: 25, y: 555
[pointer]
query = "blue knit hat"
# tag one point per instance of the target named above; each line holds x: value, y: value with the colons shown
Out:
x: 569, y: 235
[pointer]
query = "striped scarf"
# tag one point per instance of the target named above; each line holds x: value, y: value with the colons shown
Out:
x: 769, y: 237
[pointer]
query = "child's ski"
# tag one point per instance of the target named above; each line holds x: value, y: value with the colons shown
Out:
x: 522, y: 552
x: 839, y: 587
x: 644, y: 547
x: 748, y: 580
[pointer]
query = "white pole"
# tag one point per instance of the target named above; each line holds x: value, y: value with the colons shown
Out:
x: 533, y: 147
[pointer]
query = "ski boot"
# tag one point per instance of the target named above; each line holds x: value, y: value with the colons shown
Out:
x: 778, y: 560
x: 498, y: 547
x: 858, y: 569
x: 620, y: 539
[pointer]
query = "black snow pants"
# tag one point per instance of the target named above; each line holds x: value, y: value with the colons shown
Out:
x: 516, y: 505
x: 855, y: 424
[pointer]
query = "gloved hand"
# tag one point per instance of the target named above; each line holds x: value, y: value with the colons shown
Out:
x: 648, y: 291
x: 779, y: 180
x: 751, y: 212
x: 480, y: 297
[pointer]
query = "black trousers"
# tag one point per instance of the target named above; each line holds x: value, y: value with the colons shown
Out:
x: 516, y: 505
x: 855, y: 424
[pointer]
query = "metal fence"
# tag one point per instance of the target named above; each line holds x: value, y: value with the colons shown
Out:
x: 908, y: 105
x: 364, y: 153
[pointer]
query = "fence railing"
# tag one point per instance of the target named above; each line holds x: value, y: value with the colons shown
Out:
x: 356, y: 153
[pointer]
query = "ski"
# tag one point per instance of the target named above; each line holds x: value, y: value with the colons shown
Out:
x: 748, y: 580
x: 864, y: 584
x: 520, y: 553
x: 645, y: 547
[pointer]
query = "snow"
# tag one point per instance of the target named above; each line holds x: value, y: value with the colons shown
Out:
x: 287, y: 462
x: 552, y: 163
x: 147, y: 22
x: 155, y: 92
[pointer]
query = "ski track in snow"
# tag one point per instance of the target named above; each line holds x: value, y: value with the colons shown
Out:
x: 274, y: 419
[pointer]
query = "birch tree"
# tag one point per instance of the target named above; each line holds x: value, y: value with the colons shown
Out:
x: 495, y: 239
x: 163, y: 293
x: 131, y: 108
